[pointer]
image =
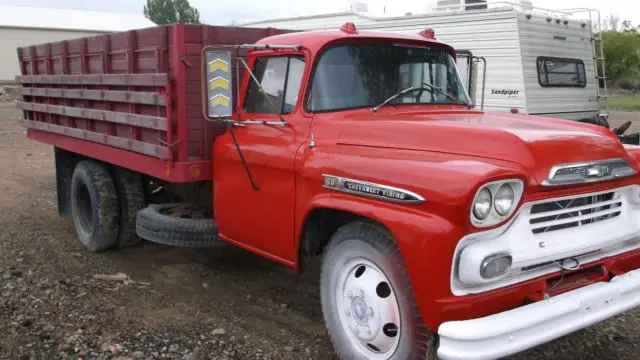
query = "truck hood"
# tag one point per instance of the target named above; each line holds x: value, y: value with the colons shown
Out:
x: 536, y: 143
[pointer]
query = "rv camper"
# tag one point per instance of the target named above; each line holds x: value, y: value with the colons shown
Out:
x: 538, y: 61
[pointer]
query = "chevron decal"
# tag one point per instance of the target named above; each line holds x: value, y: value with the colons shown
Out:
x: 219, y: 100
x: 219, y: 84
x: 218, y: 64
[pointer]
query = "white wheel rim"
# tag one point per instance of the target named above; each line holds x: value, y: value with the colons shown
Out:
x: 368, y: 309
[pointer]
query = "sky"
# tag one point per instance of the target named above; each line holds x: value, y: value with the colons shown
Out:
x: 223, y: 12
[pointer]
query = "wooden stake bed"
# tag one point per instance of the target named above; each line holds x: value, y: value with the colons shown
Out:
x: 137, y: 91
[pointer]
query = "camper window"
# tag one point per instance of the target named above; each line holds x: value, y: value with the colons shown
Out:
x: 557, y: 72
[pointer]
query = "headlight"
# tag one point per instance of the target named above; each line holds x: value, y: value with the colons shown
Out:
x: 495, y: 201
x: 482, y: 204
x: 504, y: 199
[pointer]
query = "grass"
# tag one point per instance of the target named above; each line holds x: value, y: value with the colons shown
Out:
x: 625, y: 103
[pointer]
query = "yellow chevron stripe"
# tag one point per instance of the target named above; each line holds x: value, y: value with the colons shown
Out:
x: 219, y: 82
x: 219, y: 100
x: 218, y: 64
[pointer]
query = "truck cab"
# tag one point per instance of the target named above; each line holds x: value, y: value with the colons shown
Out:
x: 444, y: 231
x: 364, y: 146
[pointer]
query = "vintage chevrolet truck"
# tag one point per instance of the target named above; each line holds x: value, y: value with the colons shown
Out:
x: 444, y: 231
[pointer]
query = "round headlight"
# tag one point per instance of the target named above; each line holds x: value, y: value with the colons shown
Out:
x: 504, y: 199
x: 482, y: 204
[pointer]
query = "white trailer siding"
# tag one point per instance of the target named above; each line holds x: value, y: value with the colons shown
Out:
x: 538, y: 37
x: 510, y: 41
x: 489, y: 34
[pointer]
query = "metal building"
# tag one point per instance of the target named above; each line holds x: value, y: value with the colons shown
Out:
x: 22, y: 26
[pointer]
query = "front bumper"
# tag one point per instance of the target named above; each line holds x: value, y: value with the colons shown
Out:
x: 528, y: 326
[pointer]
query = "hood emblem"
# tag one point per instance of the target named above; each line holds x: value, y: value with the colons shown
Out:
x: 373, y: 190
x: 598, y: 171
x: 586, y: 172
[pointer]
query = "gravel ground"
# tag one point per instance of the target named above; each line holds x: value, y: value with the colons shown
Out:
x: 174, y: 303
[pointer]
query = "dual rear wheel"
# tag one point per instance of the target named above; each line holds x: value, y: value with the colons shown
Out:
x: 94, y: 206
x: 109, y: 210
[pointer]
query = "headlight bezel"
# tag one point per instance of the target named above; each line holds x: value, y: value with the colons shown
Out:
x: 494, y: 218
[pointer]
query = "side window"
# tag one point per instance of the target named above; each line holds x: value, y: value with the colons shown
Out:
x: 555, y: 72
x: 294, y: 78
x: 280, y: 77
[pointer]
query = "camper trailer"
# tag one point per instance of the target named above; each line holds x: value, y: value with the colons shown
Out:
x: 538, y: 61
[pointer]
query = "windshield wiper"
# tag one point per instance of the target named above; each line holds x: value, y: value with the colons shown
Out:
x: 457, y: 100
x: 395, y: 96
x: 426, y: 86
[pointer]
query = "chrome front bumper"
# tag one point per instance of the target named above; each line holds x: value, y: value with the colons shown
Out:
x: 520, y: 329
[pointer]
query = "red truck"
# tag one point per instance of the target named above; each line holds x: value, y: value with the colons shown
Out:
x: 444, y: 231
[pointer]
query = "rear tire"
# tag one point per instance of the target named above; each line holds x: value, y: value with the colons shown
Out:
x: 367, y: 300
x: 94, y: 206
x: 132, y: 199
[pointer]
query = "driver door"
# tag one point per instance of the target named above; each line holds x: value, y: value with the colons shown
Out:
x: 262, y: 218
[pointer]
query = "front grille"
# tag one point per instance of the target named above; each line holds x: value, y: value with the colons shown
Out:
x: 564, y: 214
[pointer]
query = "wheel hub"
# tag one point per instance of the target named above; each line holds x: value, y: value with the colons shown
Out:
x: 360, y: 310
x: 369, y: 311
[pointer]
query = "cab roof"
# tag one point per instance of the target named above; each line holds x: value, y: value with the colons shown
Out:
x: 314, y: 41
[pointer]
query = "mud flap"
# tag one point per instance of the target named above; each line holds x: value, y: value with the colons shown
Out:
x: 64, y: 162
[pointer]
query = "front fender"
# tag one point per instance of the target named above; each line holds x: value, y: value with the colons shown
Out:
x: 427, y: 243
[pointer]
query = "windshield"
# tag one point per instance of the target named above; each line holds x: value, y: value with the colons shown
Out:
x: 352, y: 76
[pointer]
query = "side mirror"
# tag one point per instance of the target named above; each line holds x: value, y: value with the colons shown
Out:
x: 218, y: 84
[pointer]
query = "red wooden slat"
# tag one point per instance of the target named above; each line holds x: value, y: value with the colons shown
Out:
x: 123, y: 143
x: 145, y: 121
x: 97, y: 79
x: 133, y: 97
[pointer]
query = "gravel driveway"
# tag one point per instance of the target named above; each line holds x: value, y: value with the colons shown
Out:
x: 173, y: 303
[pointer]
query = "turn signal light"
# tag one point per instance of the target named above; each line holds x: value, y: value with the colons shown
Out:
x: 428, y: 34
x: 496, y: 265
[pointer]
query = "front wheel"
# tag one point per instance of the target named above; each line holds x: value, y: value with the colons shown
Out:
x: 367, y: 300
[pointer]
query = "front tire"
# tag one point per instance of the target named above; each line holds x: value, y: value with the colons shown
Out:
x: 94, y: 206
x: 367, y: 300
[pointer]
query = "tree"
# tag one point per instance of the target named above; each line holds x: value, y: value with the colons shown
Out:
x: 611, y: 22
x: 164, y: 12
x: 622, y: 54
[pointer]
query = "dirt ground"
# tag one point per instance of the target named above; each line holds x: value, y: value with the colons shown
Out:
x: 182, y: 303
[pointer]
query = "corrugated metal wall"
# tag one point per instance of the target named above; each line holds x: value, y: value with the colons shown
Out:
x: 12, y: 38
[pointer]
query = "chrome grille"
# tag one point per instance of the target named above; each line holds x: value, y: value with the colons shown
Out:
x: 574, y: 212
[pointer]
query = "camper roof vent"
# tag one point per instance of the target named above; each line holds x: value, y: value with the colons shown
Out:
x: 349, y: 28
